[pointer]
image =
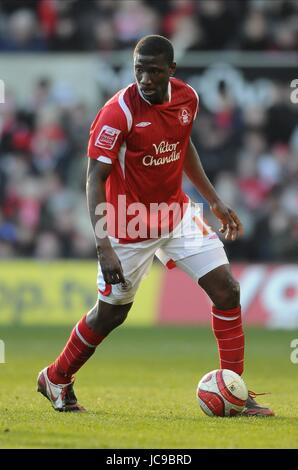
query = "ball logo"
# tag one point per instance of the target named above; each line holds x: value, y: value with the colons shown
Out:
x: 184, y: 116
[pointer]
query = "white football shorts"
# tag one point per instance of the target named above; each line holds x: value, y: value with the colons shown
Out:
x: 192, y: 246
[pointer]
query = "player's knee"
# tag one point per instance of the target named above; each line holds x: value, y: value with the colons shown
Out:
x: 229, y: 295
x: 109, y: 316
x: 235, y: 293
x: 119, y: 317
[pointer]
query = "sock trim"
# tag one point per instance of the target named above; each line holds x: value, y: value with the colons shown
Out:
x: 225, y: 318
x: 228, y: 312
x: 82, y: 338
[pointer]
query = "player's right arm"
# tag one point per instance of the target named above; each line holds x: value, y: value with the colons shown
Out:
x: 108, y: 132
x: 97, y: 174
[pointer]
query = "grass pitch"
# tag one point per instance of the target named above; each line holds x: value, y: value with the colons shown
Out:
x: 139, y: 389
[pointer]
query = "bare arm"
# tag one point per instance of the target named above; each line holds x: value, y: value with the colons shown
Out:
x: 97, y: 174
x: 195, y: 172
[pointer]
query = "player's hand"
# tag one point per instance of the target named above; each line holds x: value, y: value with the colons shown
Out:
x: 111, y: 266
x: 230, y: 222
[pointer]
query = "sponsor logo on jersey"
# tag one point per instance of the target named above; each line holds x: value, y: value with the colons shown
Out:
x: 143, y: 124
x: 163, y: 147
x: 185, y: 116
x: 107, y: 137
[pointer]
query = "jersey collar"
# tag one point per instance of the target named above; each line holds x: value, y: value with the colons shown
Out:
x: 162, y: 104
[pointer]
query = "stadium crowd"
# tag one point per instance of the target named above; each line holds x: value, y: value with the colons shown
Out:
x: 250, y: 155
x: 76, y: 25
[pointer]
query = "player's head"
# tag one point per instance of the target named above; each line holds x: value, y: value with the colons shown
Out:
x: 153, y: 66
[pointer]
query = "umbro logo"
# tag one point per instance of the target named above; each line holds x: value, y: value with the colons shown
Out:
x: 143, y: 124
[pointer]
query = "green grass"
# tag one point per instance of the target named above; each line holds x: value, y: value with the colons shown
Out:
x: 139, y: 389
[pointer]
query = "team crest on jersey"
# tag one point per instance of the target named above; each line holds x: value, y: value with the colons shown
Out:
x: 107, y: 137
x: 185, y: 116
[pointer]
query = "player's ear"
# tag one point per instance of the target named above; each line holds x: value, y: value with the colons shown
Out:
x: 172, y: 69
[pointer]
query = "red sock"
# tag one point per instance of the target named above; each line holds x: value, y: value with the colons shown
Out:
x: 227, y: 328
x: 80, y: 346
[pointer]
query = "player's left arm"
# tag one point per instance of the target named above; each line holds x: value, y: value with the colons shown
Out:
x: 230, y: 222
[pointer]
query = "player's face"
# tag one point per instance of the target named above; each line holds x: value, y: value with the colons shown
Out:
x: 152, y: 75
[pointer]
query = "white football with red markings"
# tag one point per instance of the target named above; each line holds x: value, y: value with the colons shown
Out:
x: 222, y: 392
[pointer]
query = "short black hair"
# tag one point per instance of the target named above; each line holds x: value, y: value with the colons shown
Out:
x: 155, y: 45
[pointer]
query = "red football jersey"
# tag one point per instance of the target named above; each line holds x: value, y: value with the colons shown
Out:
x: 146, y: 144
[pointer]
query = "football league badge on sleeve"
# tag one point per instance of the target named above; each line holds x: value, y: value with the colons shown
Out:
x: 107, y: 137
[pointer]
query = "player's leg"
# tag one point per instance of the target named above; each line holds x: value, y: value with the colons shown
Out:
x: 212, y: 272
x: 114, y: 302
x: 104, y: 317
x: 224, y: 292
x: 88, y: 333
x: 200, y: 253
x: 55, y: 382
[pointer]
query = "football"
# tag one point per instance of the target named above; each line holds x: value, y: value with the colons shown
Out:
x: 222, y: 392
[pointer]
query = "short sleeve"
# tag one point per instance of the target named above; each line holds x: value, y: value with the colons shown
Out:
x: 107, y: 133
x: 196, y: 101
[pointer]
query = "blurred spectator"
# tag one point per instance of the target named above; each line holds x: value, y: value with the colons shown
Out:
x: 282, y: 116
x: 177, y: 11
x: 132, y: 20
x: 104, y: 36
x: 255, y: 35
x: 218, y: 21
x: 104, y: 25
x: 22, y: 33
x: 47, y: 246
x: 187, y: 35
